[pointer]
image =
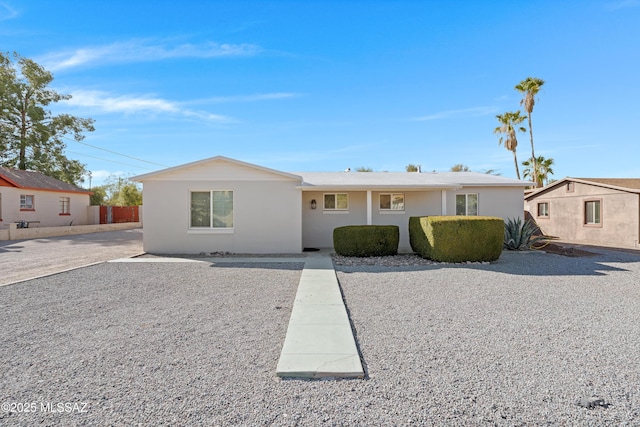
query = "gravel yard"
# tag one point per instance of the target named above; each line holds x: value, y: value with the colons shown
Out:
x: 516, y: 342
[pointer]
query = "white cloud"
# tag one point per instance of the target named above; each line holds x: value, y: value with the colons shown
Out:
x: 7, y: 12
x: 141, y: 51
x: 465, y: 112
x: 134, y: 104
x: 246, y: 98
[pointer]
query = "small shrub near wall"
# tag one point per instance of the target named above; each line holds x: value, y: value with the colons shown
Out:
x: 366, y: 240
x: 457, y: 238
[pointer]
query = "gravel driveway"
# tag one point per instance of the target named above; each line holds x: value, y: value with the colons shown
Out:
x: 516, y: 342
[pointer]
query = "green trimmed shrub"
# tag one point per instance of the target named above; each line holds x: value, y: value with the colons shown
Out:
x: 457, y: 238
x: 366, y: 240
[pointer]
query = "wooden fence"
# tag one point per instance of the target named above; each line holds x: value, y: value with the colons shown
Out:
x: 118, y: 214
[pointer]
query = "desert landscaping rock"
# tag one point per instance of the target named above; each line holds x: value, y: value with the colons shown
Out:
x: 515, y: 342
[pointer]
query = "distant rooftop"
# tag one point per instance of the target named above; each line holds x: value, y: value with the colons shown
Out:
x: 36, y: 181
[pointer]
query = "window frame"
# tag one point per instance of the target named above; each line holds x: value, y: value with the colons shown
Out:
x: 211, y: 228
x: 391, y: 197
x: 595, y: 213
x: 23, y: 202
x: 543, y: 215
x: 335, y: 208
x: 466, y: 204
x: 64, y: 206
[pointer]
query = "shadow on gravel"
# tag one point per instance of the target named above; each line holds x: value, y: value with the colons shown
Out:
x: 523, y: 263
x: 264, y: 265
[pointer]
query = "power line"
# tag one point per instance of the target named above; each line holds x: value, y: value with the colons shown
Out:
x: 107, y: 160
x: 115, y: 152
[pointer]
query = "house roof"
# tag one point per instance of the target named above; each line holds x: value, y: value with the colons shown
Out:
x: 360, y: 180
x: 203, y: 162
x: 36, y: 181
x: 404, y: 180
x: 631, y: 185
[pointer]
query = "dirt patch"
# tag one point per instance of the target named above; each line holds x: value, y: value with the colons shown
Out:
x: 569, y: 251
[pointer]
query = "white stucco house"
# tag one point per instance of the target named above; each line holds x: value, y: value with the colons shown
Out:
x: 222, y: 204
x: 40, y: 200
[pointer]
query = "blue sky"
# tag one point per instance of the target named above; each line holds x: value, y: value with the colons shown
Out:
x: 326, y: 85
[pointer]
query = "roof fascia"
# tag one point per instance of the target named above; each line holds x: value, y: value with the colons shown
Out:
x: 55, y: 190
x: 310, y: 187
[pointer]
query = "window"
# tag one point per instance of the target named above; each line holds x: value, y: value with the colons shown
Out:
x: 65, y: 205
x: 336, y: 202
x: 392, y: 202
x: 543, y: 209
x: 211, y: 209
x: 26, y: 202
x: 592, y: 214
x: 467, y: 204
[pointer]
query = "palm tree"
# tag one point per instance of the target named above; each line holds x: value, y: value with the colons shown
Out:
x: 541, y: 168
x: 509, y: 122
x: 529, y: 88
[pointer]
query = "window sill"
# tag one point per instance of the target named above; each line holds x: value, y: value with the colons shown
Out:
x: 27, y: 210
x: 391, y: 212
x: 592, y: 225
x: 64, y: 214
x: 334, y: 212
x: 210, y: 231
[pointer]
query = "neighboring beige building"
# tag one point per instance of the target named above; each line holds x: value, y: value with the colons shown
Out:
x: 222, y: 204
x: 597, y: 211
x: 40, y: 200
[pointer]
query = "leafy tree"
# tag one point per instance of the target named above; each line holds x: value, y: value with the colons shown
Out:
x: 529, y: 88
x: 30, y: 135
x: 460, y: 168
x: 509, y: 122
x: 364, y: 169
x: 541, y: 168
x: 412, y: 168
x: 117, y: 191
x: 99, y: 196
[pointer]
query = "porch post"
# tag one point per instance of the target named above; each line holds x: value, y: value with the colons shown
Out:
x: 369, y: 208
x: 444, y: 201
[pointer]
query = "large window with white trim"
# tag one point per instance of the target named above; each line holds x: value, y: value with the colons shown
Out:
x: 336, y: 201
x: 467, y: 204
x: 211, y: 209
x: 27, y: 202
x: 392, y: 201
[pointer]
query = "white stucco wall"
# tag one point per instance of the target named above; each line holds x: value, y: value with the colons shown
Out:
x: 502, y: 202
x: 266, y: 209
x: 318, y: 224
x: 47, y: 207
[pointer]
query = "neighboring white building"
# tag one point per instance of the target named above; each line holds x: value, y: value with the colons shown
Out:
x: 222, y: 204
x: 40, y: 200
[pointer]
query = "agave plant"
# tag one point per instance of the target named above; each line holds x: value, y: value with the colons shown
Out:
x: 518, y: 235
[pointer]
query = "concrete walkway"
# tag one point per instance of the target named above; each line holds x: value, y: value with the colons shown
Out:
x: 319, y: 341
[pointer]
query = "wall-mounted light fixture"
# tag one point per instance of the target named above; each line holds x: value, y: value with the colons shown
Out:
x: 313, y: 204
